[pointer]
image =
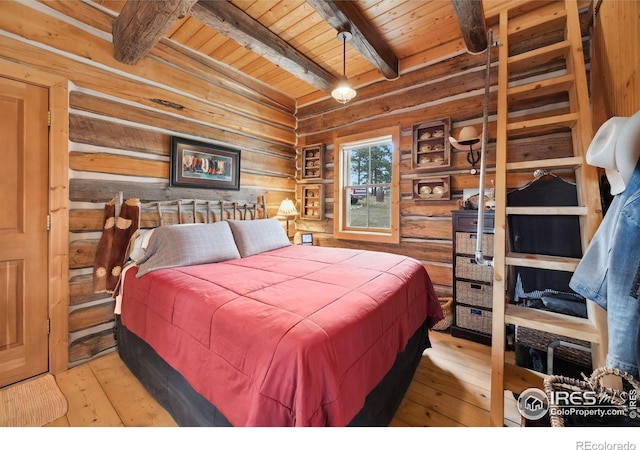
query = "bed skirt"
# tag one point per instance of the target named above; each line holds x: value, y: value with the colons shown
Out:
x: 190, y: 409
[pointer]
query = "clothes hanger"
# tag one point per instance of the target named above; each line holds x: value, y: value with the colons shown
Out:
x: 540, y: 174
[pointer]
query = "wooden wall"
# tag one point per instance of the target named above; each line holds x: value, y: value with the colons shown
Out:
x: 616, y: 60
x: 452, y: 88
x: 121, y: 119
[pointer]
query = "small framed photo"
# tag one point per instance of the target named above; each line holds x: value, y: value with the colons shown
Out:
x: 202, y: 165
x: 307, y: 239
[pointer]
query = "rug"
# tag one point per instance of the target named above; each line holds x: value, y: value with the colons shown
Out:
x: 32, y: 403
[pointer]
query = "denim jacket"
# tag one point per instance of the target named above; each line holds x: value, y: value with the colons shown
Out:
x: 608, y: 274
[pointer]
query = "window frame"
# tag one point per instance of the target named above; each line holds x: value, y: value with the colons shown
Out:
x: 340, y: 228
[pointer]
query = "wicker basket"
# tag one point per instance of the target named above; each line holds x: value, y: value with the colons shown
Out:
x: 473, y: 318
x: 475, y: 294
x: 446, y: 303
x: 466, y: 243
x: 622, y: 400
x: 467, y: 268
x: 540, y: 340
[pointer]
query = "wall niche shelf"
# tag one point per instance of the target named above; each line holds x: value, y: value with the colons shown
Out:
x: 431, y: 148
x: 313, y: 162
x: 432, y: 188
x: 312, y: 202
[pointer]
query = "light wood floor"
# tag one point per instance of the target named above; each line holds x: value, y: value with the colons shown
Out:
x: 451, y: 389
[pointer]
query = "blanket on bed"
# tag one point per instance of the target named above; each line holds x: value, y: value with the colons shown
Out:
x: 296, y: 336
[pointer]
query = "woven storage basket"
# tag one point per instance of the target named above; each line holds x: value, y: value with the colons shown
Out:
x: 475, y: 294
x: 473, y: 318
x: 540, y: 340
x: 466, y: 243
x: 624, y: 401
x: 467, y: 268
x: 447, y: 308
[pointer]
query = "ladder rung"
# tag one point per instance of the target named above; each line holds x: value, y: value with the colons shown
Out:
x: 539, y: 56
x: 572, y: 162
x: 551, y: 322
x: 517, y: 379
x: 542, y: 124
x: 519, y: 29
x: 542, y: 261
x: 547, y: 210
x: 540, y: 88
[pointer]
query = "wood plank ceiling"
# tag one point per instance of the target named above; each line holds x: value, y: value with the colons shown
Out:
x: 409, y: 34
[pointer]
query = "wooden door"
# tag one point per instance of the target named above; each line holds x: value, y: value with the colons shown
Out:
x: 24, y: 186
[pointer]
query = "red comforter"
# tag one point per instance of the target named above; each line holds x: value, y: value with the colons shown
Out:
x: 292, y: 337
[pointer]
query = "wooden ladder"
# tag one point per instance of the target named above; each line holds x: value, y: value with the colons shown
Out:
x: 515, y: 121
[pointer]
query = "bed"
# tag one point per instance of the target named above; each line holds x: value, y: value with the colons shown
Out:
x: 227, y: 323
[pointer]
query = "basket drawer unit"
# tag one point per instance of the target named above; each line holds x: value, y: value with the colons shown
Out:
x: 475, y: 319
x: 466, y: 243
x: 467, y: 268
x: 472, y: 282
x: 474, y: 294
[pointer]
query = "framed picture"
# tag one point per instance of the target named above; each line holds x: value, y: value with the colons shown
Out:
x: 203, y: 165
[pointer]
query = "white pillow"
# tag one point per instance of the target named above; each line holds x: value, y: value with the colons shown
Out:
x: 140, y: 244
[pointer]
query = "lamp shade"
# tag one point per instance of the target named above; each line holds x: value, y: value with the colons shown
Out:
x: 287, y: 209
x: 343, y: 93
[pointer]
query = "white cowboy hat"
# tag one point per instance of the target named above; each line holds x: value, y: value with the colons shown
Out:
x: 616, y: 148
x: 468, y: 139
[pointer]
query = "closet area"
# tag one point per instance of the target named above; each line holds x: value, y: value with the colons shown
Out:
x: 546, y: 289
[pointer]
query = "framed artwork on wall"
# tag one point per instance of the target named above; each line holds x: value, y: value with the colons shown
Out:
x: 203, y: 165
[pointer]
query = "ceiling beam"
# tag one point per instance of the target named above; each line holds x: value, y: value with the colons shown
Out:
x: 470, y: 16
x: 344, y: 15
x: 141, y: 24
x: 234, y: 23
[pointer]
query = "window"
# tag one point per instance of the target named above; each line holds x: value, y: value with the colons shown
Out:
x: 367, y: 187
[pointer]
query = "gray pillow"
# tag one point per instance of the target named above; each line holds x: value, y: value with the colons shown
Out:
x: 187, y: 245
x: 257, y: 236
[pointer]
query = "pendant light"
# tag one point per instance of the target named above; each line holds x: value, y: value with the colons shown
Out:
x: 343, y: 92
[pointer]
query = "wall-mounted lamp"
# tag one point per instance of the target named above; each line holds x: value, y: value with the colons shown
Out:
x: 288, y: 211
x: 343, y: 93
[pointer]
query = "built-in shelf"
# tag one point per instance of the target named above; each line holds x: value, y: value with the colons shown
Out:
x: 313, y: 162
x: 432, y: 188
x: 431, y: 148
x: 312, y: 202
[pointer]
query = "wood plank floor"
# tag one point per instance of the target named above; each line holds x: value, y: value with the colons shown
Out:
x: 450, y: 389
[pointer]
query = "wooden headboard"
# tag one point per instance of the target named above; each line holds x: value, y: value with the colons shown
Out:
x: 169, y: 212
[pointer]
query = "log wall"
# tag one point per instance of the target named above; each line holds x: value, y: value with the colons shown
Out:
x: 452, y: 88
x: 121, y: 119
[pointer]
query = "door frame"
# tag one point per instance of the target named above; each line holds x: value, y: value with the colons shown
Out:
x: 58, y: 267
